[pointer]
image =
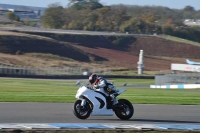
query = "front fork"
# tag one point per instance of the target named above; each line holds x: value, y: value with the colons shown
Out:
x: 83, y: 102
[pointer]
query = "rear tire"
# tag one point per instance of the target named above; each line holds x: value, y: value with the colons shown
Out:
x: 127, y: 112
x: 81, y: 112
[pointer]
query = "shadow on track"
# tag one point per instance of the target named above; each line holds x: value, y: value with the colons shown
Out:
x: 147, y: 121
x: 163, y: 121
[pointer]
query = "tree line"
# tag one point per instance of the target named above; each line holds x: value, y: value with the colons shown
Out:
x: 93, y: 16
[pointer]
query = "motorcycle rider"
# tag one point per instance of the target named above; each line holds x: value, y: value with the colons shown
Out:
x: 101, y: 84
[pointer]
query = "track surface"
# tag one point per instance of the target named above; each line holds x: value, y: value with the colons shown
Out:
x: 62, y: 113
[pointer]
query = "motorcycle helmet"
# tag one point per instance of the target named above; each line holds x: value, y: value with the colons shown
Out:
x: 92, y: 78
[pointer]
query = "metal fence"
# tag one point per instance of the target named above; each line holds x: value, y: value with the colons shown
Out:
x: 71, y: 70
x: 177, y: 78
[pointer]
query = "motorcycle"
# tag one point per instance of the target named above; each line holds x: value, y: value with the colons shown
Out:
x: 96, y: 103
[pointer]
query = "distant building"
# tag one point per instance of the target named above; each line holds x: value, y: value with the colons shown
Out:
x: 24, y: 12
x: 192, y: 22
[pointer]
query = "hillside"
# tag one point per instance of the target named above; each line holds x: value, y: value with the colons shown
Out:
x: 119, y: 53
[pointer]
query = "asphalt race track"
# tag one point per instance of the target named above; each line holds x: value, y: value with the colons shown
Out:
x: 62, y: 113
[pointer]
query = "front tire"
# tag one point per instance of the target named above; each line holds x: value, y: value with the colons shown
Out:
x: 126, y: 111
x: 81, y: 112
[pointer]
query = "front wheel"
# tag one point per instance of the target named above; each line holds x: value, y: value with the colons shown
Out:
x: 82, y: 112
x: 125, y: 110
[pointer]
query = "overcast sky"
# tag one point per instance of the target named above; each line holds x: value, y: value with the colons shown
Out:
x: 178, y: 4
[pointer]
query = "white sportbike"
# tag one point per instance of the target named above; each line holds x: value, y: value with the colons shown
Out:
x: 96, y: 103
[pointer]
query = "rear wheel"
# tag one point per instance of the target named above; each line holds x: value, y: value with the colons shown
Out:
x: 125, y: 109
x: 82, y: 112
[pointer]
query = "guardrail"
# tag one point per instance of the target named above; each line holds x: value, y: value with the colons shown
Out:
x: 67, y: 70
x: 71, y: 76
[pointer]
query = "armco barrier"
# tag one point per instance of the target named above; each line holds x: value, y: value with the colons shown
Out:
x: 179, y: 86
x: 71, y: 76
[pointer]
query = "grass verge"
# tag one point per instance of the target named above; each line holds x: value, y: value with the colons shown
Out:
x: 30, y: 90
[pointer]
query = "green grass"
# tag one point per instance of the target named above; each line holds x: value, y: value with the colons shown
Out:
x: 180, y: 40
x: 27, y: 90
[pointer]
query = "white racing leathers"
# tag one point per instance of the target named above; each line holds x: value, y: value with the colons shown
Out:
x: 100, y: 86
